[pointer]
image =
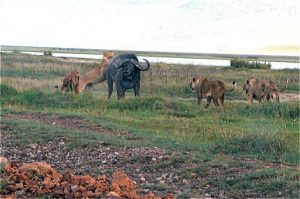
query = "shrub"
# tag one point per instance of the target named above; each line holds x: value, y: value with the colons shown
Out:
x: 47, y: 53
x: 240, y: 63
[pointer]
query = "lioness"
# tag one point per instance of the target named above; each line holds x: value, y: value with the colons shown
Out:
x: 210, y: 89
x: 261, y: 90
x: 95, y: 75
x: 70, y: 82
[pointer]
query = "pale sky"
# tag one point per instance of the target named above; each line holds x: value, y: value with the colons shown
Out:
x: 226, y: 26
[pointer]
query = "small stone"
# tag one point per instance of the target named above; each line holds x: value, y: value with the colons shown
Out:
x: 153, y: 159
x: 61, y: 143
x: 75, y: 188
x: 19, y: 193
x: 158, y: 178
x: 31, y: 155
x: 33, y: 146
x: 142, y: 179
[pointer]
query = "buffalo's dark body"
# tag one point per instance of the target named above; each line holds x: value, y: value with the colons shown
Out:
x: 125, y: 71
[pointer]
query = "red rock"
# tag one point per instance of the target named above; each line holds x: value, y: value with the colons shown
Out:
x: 40, y: 168
x: 102, y: 184
x: 86, y: 181
x: 169, y: 196
x: 7, y: 197
x: 39, y: 178
x: 112, y: 195
x: 123, y: 185
x: 151, y: 196
x: 82, y: 189
x: 4, y: 163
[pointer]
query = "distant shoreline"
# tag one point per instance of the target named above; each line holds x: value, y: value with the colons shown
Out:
x: 217, y: 56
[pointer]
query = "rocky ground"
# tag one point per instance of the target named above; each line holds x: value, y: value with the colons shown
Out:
x: 154, y: 170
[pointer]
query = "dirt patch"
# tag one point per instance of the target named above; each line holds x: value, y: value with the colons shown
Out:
x: 155, y: 170
x: 68, y: 122
x: 289, y: 97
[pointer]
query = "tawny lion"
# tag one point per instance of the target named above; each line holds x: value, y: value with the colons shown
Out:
x: 262, y: 90
x: 70, y: 82
x: 210, y: 89
x: 95, y: 75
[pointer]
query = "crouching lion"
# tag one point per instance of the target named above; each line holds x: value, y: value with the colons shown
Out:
x: 261, y: 90
x: 70, y: 82
x: 210, y: 89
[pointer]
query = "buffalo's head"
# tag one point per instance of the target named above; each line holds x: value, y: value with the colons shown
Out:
x: 129, y: 70
x: 126, y: 60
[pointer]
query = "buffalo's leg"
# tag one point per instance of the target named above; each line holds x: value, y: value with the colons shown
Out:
x: 137, y: 89
x: 120, y: 91
x: 110, y: 87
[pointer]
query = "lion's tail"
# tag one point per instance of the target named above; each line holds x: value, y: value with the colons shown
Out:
x: 234, y: 86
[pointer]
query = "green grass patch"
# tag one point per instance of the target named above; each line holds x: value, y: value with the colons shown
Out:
x: 289, y: 110
x: 267, y: 131
x: 264, y: 183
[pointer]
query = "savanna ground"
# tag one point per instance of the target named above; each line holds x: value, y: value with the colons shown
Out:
x: 163, y: 139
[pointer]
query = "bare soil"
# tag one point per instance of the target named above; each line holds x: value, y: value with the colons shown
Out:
x: 153, y: 169
x: 289, y: 96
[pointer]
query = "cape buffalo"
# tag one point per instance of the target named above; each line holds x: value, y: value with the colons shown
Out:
x: 125, y: 71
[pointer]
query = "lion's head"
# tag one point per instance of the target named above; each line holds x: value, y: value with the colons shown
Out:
x: 195, y: 81
x: 107, y: 55
x: 246, y: 86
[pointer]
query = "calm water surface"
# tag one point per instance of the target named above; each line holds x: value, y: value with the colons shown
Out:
x: 204, y: 62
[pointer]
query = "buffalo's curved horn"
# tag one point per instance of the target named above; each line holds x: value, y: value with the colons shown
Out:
x: 140, y: 66
x: 118, y: 62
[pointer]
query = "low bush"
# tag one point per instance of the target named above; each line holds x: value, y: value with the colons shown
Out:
x: 240, y: 63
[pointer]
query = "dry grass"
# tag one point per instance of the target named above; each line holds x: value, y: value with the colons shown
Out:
x: 26, y: 83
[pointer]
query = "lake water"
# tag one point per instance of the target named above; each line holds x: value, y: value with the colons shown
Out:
x: 204, y: 62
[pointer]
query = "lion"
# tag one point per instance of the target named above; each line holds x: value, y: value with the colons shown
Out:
x: 210, y: 89
x: 261, y: 90
x: 95, y: 75
x: 70, y: 82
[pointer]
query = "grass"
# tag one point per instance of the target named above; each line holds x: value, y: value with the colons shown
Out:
x: 264, y: 183
x: 264, y: 131
x: 165, y: 116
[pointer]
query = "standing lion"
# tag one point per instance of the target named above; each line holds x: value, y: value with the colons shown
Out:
x: 261, y: 90
x: 210, y: 89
